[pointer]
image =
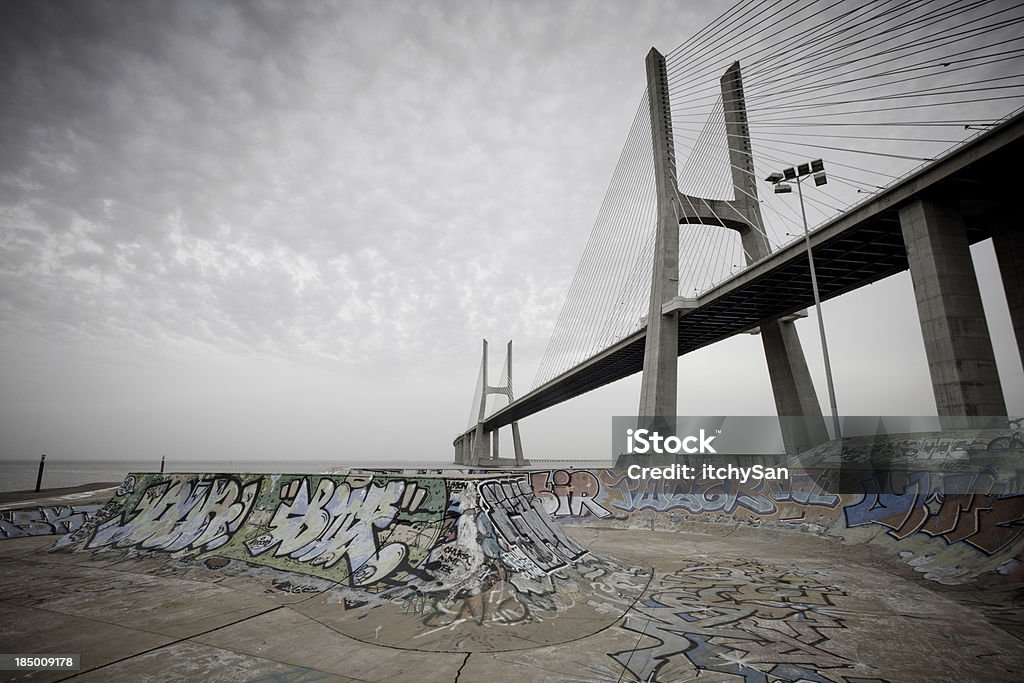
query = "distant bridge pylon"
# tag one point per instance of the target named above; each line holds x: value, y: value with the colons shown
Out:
x: 477, y: 447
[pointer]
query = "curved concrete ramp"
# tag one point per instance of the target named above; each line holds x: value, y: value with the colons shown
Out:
x: 951, y: 539
x: 429, y: 563
x: 391, y: 577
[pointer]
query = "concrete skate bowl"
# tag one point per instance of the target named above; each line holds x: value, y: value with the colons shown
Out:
x: 948, y: 539
x: 412, y: 562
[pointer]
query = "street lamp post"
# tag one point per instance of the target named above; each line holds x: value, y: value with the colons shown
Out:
x: 815, y: 169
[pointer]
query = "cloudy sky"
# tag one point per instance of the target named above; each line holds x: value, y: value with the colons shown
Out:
x: 279, y: 230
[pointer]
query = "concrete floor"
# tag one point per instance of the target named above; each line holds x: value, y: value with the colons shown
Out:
x: 699, y: 605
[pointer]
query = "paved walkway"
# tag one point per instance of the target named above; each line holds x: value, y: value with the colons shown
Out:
x: 701, y: 605
x: 99, y: 492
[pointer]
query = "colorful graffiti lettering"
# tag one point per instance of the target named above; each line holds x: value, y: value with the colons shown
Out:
x: 522, y: 522
x: 192, y: 514
x: 452, y: 538
x: 700, y: 496
x: 450, y: 551
x: 358, y: 531
x: 989, y: 523
x: 127, y: 486
x: 337, y: 523
x: 564, y: 493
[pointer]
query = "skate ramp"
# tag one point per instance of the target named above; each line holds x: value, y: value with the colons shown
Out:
x: 426, y: 563
x: 503, y: 576
x: 947, y: 538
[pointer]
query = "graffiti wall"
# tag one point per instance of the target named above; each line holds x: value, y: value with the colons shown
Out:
x: 44, y: 521
x: 378, y: 531
x: 949, y: 537
x: 728, y: 619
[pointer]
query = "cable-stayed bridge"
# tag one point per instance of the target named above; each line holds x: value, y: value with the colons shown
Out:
x: 914, y: 108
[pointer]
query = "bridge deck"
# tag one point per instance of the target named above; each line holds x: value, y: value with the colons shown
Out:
x: 857, y: 248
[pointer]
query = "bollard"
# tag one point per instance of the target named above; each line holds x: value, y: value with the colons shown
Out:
x: 39, y: 477
x: 162, y: 458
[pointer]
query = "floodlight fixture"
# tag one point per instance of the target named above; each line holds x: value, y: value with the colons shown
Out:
x: 816, y: 169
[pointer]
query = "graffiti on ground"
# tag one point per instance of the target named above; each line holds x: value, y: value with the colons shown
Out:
x: 739, y: 619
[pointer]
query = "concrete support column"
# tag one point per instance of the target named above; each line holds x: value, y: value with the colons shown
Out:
x: 495, y: 443
x: 517, y: 445
x: 956, y: 336
x: 1008, y: 243
x: 481, y: 445
x: 658, y: 387
x: 741, y: 164
x: 796, y: 402
x: 803, y: 426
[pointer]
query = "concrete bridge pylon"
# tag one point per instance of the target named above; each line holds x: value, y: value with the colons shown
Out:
x: 479, y: 447
x: 794, y: 393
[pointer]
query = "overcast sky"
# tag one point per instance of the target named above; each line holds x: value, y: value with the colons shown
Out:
x: 279, y: 230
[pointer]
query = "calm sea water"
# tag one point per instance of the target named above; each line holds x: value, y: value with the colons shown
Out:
x: 20, y: 475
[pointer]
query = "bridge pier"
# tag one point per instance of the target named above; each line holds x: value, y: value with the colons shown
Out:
x: 481, y: 446
x: 467, y: 455
x: 517, y: 446
x: 803, y: 425
x: 956, y: 336
x: 659, y: 385
x: 1008, y: 242
x: 796, y: 402
x: 463, y: 450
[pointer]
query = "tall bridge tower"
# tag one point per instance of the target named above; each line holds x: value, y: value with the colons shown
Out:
x: 795, y: 397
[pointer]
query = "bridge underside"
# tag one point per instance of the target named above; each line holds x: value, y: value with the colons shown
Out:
x: 857, y: 248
